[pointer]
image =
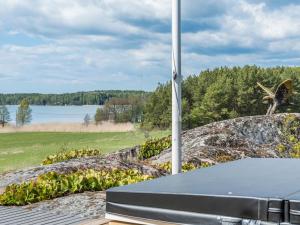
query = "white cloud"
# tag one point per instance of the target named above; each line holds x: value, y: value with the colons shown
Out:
x: 62, y: 17
x: 95, y: 44
x: 259, y: 21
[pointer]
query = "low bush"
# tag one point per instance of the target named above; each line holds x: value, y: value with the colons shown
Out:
x: 153, y: 147
x: 52, y: 185
x: 222, y: 157
x: 185, y: 166
x: 290, y: 145
x: 66, y: 155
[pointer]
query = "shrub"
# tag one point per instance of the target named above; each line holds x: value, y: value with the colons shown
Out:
x: 185, y: 166
x: 222, y: 157
x: 52, y: 185
x: 153, y: 147
x: 290, y: 146
x: 66, y: 155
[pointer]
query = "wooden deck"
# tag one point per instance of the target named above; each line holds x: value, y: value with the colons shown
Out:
x: 16, y: 216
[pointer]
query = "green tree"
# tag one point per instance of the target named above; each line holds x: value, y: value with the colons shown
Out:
x: 4, y: 115
x: 123, y: 109
x: 157, y: 111
x: 23, y: 115
x: 217, y: 104
x: 101, y: 115
x: 219, y: 94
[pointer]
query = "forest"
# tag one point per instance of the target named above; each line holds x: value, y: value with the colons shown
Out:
x: 78, y: 98
x: 213, y: 95
x: 219, y: 94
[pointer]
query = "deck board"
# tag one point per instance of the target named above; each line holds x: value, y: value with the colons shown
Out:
x: 15, y: 215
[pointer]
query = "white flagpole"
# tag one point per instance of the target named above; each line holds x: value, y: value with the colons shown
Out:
x: 176, y: 86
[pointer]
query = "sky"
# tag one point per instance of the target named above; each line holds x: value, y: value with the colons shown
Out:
x: 55, y: 46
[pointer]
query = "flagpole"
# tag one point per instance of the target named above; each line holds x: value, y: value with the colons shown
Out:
x: 176, y: 86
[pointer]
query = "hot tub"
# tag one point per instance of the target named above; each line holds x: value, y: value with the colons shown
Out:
x: 249, y: 191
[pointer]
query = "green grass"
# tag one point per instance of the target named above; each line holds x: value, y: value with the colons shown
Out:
x: 20, y: 150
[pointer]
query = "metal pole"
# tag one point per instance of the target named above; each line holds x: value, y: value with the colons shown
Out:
x: 176, y: 87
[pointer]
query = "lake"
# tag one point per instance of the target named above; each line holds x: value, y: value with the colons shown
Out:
x: 52, y: 114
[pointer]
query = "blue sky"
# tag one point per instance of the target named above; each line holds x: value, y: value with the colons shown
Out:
x: 54, y: 46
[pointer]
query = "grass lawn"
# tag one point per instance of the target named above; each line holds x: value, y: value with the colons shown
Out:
x: 20, y: 150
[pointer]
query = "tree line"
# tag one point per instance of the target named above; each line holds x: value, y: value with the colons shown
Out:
x: 118, y: 110
x: 78, y: 98
x: 219, y: 94
x: 121, y: 110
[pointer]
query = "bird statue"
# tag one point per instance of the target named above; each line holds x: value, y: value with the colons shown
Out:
x: 280, y: 97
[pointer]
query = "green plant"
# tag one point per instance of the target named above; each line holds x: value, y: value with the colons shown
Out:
x: 185, y: 166
x: 290, y: 145
x: 66, y: 155
x: 153, y: 147
x: 52, y: 185
x: 23, y: 114
x: 4, y: 115
x: 222, y: 157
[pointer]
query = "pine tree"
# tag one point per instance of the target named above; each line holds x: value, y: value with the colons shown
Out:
x: 222, y: 93
x: 4, y: 115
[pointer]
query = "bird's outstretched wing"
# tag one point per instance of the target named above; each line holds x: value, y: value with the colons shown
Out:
x: 267, y: 90
x: 284, y: 91
x: 267, y: 97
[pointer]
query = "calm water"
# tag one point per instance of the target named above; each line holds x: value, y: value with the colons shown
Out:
x: 50, y: 114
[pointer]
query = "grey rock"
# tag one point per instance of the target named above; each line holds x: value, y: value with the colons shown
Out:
x: 90, y: 205
x: 252, y: 136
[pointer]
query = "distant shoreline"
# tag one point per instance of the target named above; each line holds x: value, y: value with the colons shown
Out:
x: 70, y: 127
x: 75, y: 98
x: 56, y: 105
x: 56, y: 114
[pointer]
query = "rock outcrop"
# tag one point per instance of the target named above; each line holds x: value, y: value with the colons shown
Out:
x: 253, y: 136
x: 73, y: 165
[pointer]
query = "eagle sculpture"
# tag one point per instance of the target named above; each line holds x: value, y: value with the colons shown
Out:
x: 280, y: 97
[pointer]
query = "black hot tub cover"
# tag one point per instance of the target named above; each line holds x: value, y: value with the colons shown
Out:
x: 266, y: 190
